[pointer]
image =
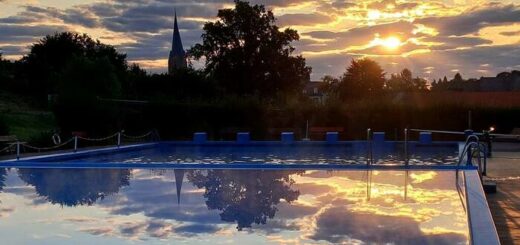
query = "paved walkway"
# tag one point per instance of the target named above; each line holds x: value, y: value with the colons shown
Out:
x: 504, y: 168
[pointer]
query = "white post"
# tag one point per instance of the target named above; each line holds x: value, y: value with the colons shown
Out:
x: 75, y: 143
x: 118, y: 139
x: 17, y: 150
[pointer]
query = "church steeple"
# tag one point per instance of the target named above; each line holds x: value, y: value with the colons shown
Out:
x: 179, y: 177
x: 177, y: 58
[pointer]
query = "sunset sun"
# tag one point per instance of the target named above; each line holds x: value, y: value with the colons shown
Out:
x: 391, y: 43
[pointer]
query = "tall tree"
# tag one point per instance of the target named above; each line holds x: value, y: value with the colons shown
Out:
x: 80, y: 89
x: 401, y: 82
x: 363, y: 77
x: 247, y: 54
x: 49, y: 58
x: 458, y: 78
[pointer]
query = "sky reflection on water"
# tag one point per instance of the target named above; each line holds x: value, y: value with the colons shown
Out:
x: 64, y: 206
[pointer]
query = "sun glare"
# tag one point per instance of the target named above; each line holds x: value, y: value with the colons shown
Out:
x: 390, y: 43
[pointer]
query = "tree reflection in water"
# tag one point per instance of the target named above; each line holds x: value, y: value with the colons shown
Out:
x: 245, y: 197
x: 72, y: 187
x: 3, y: 174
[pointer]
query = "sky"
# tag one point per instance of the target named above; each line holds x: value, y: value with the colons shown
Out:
x: 432, y: 38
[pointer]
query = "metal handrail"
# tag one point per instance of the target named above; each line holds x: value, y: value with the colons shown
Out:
x: 468, y: 154
x: 509, y: 136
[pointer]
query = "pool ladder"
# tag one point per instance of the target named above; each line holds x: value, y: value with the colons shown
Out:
x: 474, y: 149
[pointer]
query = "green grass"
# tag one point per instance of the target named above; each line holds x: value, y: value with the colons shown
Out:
x: 22, y: 119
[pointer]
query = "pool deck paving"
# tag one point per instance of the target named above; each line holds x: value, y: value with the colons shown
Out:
x: 504, y: 169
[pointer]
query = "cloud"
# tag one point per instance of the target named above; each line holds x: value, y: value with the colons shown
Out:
x: 6, y: 211
x: 303, y: 19
x: 473, y: 20
x: 332, y: 32
x: 510, y: 33
x: 98, y: 231
x: 338, y: 225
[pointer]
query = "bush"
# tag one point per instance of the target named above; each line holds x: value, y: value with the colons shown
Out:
x: 4, y: 128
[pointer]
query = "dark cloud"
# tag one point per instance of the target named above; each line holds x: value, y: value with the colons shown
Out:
x: 510, y: 33
x: 196, y: 229
x: 338, y: 225
x: 474, y: 20
x: 18, y: 33
x: 456, y: 42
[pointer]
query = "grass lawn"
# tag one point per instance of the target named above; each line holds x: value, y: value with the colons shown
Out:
x: 22, y: 119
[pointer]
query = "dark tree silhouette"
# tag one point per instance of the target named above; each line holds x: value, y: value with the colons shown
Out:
x: 52, y: 55
x: 458, y: 78
x: 401, y: 82
x: 245, y: 197
x: 363, y: 77
x: 72, y: 187
x: 82, y: 84
x: 247, y: 54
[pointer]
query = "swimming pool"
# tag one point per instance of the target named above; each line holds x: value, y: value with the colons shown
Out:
x: 255, y: 193
x: 114, y: 206
x: 180, y: 154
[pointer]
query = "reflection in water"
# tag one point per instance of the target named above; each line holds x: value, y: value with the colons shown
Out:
x: 300, y: 207
x: 3, y: 174
x: 71, y: 187
x: 179, y: 178
x: 245, y: 197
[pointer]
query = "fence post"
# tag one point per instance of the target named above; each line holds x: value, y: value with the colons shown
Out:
x: 75, y: 143
x: 17, y: 150
x: 369, y: 146
x: 118, y: 139
x: 406, y: 146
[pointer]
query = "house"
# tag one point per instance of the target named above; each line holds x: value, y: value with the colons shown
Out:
x: 315, y: 91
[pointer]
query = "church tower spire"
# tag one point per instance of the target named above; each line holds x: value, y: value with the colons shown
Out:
x: 177, y: 58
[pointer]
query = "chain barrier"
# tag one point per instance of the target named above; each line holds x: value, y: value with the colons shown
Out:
x: 47, y: 148
x: 6, y: 148
x: 74, y: 139
x: 100, y: 139
x: 136, y: 137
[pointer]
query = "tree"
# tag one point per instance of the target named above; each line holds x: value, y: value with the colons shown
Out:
x: 419, y: 84
x: 363, y: 77
x: 458, y: 78
x: 49, y: 58
x: 245, y: 197
x: 81, y: 87
x: 247, y: 54
x: 400, y: 82
x: 72, y: 187
x: 6, y: 73
x: 329, y: 85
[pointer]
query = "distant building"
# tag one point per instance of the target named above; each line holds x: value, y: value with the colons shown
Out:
x: 503, y: 82
x: 314, y: 89
x: 177, y: 58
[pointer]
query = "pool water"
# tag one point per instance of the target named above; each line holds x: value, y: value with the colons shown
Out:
x: 199, y: 206
x: 279, y: 154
